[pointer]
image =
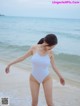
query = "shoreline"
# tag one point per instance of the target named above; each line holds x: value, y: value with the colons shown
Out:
x: 28, y: 69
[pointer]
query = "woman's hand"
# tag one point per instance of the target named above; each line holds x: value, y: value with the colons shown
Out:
x: 62, y: 81
x: 7, y: 69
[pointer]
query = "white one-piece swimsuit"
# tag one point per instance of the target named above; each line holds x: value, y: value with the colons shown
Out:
x: 40, y: 66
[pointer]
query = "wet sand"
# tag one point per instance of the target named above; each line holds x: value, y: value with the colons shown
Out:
x: 15, y: 86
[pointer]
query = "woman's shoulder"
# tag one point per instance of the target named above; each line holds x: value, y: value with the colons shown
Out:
x: 51, y: 54
x: 34, y: 47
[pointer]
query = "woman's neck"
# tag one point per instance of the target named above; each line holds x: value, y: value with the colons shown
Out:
x: 42, y: 48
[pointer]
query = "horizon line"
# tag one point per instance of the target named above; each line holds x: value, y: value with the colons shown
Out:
x: 38, y: 17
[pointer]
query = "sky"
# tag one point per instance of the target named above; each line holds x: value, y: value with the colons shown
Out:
x: 40, y: 8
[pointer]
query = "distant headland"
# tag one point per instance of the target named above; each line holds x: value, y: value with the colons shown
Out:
x: 2, y: 15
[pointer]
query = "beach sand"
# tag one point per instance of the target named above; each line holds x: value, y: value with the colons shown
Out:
x: 15, y: 86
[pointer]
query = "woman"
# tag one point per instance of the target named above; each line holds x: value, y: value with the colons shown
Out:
x: 42, y: 56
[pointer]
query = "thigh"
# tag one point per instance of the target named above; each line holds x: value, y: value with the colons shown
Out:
x: 48, y: 86
x: 34, y: 87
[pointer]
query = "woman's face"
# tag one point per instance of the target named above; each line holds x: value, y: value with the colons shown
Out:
x: 47, y: 47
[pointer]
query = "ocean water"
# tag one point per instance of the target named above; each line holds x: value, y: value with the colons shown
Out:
x: 25, y: 31
x: 18, y: 34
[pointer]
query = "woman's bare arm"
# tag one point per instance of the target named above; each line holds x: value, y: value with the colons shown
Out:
x: 26, y: 55
x: 55, y: 68
x: 29, y: 53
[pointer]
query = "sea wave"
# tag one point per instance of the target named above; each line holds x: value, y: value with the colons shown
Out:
x: 22, y: 48
x: 8, y: 46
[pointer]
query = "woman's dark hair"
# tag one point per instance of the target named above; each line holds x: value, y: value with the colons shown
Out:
x: 51, y: 39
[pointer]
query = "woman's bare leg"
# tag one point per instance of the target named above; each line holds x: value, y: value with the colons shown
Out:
x: 34, y: 87
x: 47, y: 85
